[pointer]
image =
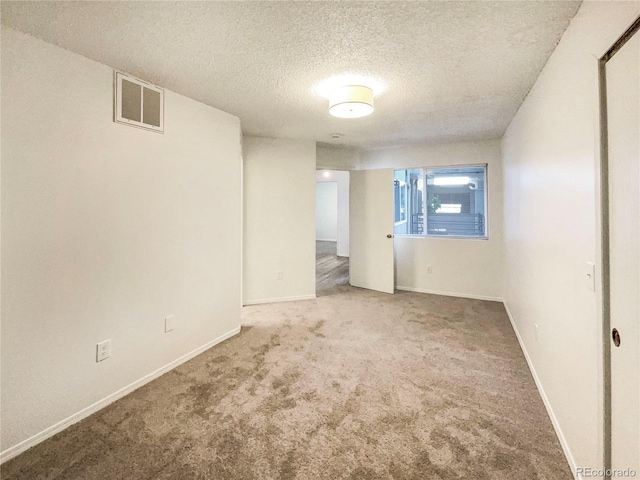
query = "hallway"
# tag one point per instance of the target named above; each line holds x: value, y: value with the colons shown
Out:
x: 331, y: 271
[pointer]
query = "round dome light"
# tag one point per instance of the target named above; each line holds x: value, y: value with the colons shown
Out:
x: 351, y: 101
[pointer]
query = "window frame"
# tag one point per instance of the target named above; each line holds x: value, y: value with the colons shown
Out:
x: 425, y: 235
x: 401, y: 186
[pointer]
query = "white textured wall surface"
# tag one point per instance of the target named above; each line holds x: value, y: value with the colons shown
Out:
x: 337, y: 158
x: 327, y: 211
x: 465, y: 267
x: 550, y: 160
x: 106, y: 229
x: 342, y: 178
x: 279, y: 219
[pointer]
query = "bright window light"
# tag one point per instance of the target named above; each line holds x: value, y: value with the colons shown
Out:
x: 441, y: 201
x: 450, y: 208
x: 443, y: 181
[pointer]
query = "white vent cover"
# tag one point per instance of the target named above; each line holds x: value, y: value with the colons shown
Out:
x: 138, y: 103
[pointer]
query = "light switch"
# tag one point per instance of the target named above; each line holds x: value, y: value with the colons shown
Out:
x: 590, y: 276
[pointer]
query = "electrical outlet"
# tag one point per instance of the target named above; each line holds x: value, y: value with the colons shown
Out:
x: 279, y: 275
x: 535, y: 325
x: 103, y: 350
x: 169, y: 323
x: 429, y: 269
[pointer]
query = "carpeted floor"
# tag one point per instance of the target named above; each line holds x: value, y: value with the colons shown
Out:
x: 353, y: 385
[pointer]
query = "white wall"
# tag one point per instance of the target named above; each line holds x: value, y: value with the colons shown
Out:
x: 106, y: 229
x: 464, y: 267
x: 327, y: 211
x: 550, y: 159
x: 279, y: 219
x: 342, y: 179
x: 336, y: 157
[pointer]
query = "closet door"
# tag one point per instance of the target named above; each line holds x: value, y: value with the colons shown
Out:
x: 623, y: 112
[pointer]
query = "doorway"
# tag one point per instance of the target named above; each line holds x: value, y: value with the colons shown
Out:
x: 332, y: 231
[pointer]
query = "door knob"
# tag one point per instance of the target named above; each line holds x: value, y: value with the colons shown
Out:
x: 615, y: 336
x: 389, y: 235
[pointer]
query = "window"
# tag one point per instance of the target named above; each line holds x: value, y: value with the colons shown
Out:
x: 447, y: 201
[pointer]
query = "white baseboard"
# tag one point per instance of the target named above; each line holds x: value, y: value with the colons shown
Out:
x: 450, y: 294
x: 545, y: 399
x: 279, y: 299
x: 85, y: 412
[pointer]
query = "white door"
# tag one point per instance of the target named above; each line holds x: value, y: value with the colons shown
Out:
x: 623, y: 110
x: 371, y: 230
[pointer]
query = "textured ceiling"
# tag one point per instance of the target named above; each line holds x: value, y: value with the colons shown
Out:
x: 448, y: 70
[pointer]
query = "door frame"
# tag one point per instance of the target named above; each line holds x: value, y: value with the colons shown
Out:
x: 604, y: 239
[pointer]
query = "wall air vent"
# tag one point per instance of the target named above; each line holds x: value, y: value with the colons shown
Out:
x: 138, y: 103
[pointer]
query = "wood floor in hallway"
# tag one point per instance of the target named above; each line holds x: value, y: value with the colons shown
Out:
x: 331, y: 271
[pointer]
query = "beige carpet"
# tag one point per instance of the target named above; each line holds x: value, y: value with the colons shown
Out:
x: 356, y: 385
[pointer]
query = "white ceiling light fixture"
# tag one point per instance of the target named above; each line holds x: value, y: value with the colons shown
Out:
x: 325, y: 87
x: 351, y: 101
